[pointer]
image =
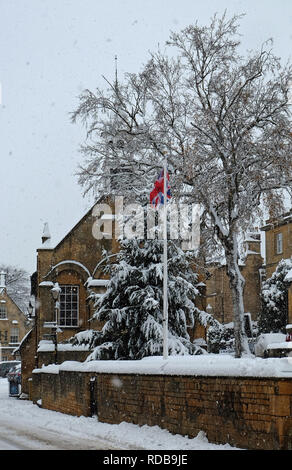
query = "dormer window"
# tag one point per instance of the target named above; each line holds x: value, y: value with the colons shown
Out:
x: 3, y: 312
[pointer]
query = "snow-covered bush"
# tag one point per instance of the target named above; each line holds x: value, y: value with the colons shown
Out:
x: 273, y: 316
x: 132, y: 307
x: 220, y: 337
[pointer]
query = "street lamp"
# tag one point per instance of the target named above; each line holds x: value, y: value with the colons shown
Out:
x: 209, y: 309
x: 55, y: 291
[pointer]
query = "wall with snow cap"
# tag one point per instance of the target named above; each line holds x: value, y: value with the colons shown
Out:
x: 245, y: 410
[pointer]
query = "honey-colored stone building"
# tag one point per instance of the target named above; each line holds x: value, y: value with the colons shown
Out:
x: 73, y: 268
x: 278, y: 239
x: 255, y: 269
x: 13, y: 324
x: 218, y: 293
x: 278, y: 234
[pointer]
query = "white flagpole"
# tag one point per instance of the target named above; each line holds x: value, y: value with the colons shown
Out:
x: 165, y: 272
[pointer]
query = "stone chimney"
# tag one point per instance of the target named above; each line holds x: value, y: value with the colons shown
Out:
x: 253, y: 243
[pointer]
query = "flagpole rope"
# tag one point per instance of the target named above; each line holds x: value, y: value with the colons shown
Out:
x: 165, y: 271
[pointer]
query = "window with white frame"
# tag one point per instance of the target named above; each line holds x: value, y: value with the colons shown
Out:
x: 69, y: 305
x: 14, y: 335
x: 279, y: 243
x: 3, y: 312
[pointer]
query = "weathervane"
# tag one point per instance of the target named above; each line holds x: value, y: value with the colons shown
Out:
x: 116, y: 69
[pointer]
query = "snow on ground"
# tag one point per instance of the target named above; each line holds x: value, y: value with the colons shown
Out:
x: 24, y: 425
x: 88, y: 433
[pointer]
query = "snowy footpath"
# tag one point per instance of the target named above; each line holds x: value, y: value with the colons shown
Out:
x: 25, y: 426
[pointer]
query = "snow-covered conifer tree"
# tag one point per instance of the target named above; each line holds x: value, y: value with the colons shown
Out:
x: 132, y: 307
x: 273, y: 317
x: 222, y: 116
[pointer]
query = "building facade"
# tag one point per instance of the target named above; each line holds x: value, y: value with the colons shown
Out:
x: 13, y: 323
x: 278, y: 239
x: 66, y: 277
x: 71, y: 271
x: 218, y: 293
x: 278, y: 234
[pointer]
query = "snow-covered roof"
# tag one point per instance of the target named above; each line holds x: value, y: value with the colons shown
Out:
x: 281, y: 220
x: 23, y: 340
x: 46, y: 244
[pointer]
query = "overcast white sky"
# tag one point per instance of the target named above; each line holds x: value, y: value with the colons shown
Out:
x: 50, y: 50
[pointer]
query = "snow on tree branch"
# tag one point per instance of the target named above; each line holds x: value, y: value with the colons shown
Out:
x: 223, y: 119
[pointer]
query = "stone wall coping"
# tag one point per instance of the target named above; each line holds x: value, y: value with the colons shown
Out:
x: 50, y: 369
x: 209, y: 365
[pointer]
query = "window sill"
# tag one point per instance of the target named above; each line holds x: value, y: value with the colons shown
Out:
x: 67, y: 326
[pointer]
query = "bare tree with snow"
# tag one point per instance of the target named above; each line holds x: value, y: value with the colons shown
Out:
x: 222, y: 116
x: 17, y: 285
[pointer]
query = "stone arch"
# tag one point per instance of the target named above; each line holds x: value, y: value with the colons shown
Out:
x: 98, y: 270
x: 69, y: 265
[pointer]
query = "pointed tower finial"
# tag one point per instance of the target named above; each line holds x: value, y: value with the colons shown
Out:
x: 116, y: 70
x: 46, y: 234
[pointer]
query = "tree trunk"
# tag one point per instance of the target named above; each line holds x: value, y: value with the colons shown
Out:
x: 237, y: 282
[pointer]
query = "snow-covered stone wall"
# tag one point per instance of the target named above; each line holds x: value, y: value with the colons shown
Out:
x: 247, y: 411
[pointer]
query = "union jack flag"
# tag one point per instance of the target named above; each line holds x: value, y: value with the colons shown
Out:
x: 157, y: 194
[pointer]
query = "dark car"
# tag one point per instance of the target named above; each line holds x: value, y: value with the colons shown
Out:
x: 5, y: 366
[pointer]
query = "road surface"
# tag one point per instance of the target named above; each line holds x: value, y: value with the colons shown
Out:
x: 18, y: 437
x: 24, y: 426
